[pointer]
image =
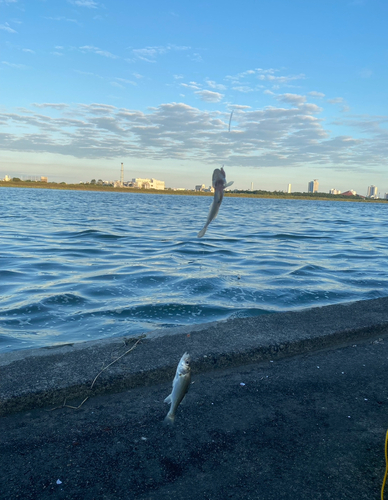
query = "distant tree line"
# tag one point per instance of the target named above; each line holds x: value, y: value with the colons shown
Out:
x: 261, y: 192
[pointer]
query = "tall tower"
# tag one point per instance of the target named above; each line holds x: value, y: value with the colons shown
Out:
x: 372, y: 192
x: 313, y: 186
x: 122, y: 174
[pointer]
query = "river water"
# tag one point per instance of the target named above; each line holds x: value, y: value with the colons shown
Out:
x: 78, y: 266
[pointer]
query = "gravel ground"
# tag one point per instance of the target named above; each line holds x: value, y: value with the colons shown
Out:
x: 310, y: 426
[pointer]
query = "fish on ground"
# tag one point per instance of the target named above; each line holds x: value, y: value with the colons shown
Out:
x: 219, y: 184
x: 180, y: 386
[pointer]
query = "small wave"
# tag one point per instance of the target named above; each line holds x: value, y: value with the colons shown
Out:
x: 98, y: 235
x: 99, y: 267
x: 68, y: 299
x: 285, y: 236
x: 10, y: 274
x: 308, y: 270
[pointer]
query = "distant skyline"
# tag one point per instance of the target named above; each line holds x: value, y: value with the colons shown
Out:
x: 88, y: 85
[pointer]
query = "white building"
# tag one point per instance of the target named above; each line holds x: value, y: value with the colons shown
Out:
x: 148, y: 184
x: 335, y: 191
x: 289, y: 188
x: 372, y: 192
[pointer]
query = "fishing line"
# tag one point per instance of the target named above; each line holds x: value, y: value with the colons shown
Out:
x: 230, y: 120
x: 386, y: 466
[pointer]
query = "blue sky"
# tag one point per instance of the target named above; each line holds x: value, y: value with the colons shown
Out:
x: 86, y: 85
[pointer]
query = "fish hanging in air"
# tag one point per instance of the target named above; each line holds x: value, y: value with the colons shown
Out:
x: 219, y: 184
x: 180, y: 386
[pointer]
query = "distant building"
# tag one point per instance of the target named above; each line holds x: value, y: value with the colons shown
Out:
x: 7, y: 178
x: 289, y: 188
x: 372, y: 192
x: 122, y: 174
x: 43, y: 179
x: 313, y: 186
x: 200, y: 187
x: 334, y: 191
x: 148, y: 184
x: 351, y: 192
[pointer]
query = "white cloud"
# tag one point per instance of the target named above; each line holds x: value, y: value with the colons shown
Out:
x: 267, y: 137
x: 243, y: 88
x: 310, y: 108
x: 239, y: 106
x: 339, y: 100
x: 29, y: 51
x: 214, y: 85
x: 319, y: 95
x: 96, y: 50
x: 149, y: 54
x: 196, y: 57
x: 264, y: 76
x: 336, y: 100
x: 62, y: 18
x: 241, y: 75
x: 84, y: 3
x: 50, y: 105
x: 120, y: 81
x: 7, y: 27
x: 14, y: 65
x: 191, y: 85
x: 209, y: 96
x: 294, y: 99
x: 88, y: 73
x: 281, y: 80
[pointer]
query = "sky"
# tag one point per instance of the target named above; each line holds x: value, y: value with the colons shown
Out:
x: 87, y: 85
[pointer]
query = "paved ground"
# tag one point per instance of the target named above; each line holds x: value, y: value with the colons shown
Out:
x: 305, y: 427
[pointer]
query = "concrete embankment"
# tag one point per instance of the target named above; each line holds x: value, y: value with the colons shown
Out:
x: 47, y: 376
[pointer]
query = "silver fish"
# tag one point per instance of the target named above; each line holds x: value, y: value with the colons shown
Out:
x: 219, y: 184
x: 180, y: 386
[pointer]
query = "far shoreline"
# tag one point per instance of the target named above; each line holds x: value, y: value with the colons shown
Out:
x: 277, y: 195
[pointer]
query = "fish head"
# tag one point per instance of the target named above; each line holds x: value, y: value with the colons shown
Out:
x: 184, y: 364
x: 219, y: 178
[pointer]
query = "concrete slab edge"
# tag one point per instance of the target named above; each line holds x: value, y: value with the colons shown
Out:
x: 49, y: 376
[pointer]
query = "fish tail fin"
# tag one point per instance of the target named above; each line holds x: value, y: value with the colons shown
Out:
x: 168, y: 399
x: 202, y: 232
x: 228, y: 184
x: 169, y: 420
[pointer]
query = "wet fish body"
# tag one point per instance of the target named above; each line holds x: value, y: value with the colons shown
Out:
x: 219, y: 184
x: 180, y: 386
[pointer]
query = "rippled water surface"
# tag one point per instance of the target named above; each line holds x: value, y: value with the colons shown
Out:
x: 78, y: 266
